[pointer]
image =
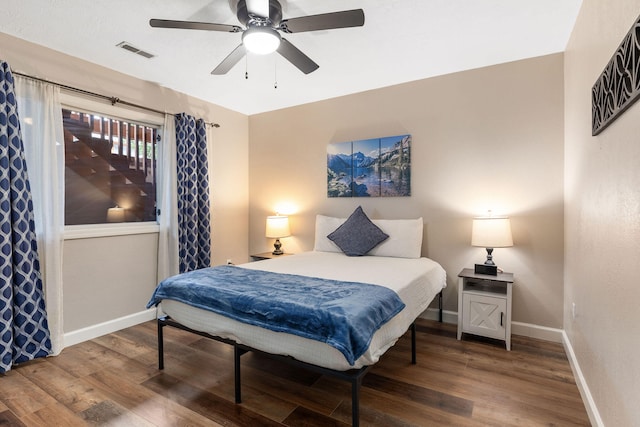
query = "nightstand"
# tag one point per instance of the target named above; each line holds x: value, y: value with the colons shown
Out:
x: 267, y: 255
x: 484, y: 305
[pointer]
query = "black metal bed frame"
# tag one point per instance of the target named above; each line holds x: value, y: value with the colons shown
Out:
x: 354, y: 376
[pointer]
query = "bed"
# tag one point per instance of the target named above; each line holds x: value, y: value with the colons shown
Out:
x: 415, y: 280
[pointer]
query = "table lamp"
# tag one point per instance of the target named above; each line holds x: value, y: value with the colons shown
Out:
x: 277, y: 227
x: 115, y: 214
x: 490, y: 232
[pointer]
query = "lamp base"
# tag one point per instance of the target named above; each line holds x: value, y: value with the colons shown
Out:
x: 489, y: 260
x: 277, y: 245
x: 490, y: 270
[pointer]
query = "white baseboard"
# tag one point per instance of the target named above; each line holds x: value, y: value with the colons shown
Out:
x: 95, y: 331
x: 537, y: 331
x: 434, y: 314
x: 587, y: 398
x: 517, y: 328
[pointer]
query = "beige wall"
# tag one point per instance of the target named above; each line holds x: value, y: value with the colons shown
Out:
x: 602, y: 220
x: 484, y: 139
x: 107, y: 278
x: 95, y: 291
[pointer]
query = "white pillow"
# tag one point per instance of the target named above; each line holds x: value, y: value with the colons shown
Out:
x: 326, y: 225
x: 405, y: 236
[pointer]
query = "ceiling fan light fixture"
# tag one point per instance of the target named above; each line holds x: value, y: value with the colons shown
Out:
x: 261, y: 40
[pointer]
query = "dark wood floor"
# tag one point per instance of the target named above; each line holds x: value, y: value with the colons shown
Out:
x: 114, y: 380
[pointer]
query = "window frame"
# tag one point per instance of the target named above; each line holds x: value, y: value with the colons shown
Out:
x: 75, y: 101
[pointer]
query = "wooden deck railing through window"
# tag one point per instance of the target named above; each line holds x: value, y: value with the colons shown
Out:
x: 117, y: 158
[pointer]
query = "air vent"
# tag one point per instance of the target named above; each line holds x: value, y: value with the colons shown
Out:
x: 131, y: 48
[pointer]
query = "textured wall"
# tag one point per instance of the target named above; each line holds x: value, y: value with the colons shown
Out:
x: 602, y: 220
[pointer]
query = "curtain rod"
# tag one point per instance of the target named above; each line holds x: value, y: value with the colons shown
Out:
x: 114, y: 100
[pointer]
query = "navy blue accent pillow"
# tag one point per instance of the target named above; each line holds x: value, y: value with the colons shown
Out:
x: 357, y: 235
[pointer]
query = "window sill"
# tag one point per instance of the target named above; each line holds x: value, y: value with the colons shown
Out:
x: 89, y: 231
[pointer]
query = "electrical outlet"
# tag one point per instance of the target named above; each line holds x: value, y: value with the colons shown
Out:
x: 573, y: 310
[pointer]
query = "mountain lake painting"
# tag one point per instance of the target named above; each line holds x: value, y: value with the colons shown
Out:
x: 377, y: 167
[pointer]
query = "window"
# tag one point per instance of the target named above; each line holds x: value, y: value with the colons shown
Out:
x: 110, y: 169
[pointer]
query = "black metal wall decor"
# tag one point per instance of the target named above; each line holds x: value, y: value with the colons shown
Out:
x: 618, y: 87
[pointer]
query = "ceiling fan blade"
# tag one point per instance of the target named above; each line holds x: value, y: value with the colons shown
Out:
x: 296, y: 57
x: 258, y: 7
x: 325, y: 21
x: 191, y: 25
x: 232, y: 59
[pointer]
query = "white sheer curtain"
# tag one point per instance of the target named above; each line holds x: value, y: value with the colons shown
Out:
x: 41, y: 124
x: 167, y: 202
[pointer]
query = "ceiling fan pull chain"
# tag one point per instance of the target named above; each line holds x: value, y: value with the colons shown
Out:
x: 246, y: 67
x: 275, y: 72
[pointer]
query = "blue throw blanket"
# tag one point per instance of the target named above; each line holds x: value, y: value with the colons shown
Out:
x: 344, y: 315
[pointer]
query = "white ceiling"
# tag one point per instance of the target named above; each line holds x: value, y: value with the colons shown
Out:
x: 401, y: 41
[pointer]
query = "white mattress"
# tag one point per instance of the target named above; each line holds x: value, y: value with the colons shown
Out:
x: 416, y: 281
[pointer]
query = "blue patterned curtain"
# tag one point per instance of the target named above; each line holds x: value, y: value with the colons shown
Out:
x: 194, y: 223
x: 24, y: 332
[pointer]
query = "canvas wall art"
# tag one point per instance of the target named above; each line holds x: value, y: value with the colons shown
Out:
x: 376, y: 167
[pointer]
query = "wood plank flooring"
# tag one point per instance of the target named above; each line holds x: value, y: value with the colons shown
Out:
x: 114, y: 381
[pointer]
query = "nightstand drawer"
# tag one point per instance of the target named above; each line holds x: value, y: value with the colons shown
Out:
x: 484, y: 315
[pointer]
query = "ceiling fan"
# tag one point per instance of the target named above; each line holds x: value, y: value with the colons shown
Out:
x: 263, y: 21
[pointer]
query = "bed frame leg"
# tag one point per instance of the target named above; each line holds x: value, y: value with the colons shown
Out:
x: 440, y: 306
x: 413, y: 343
x: 355, y: 401
x: 236, y: 362
x: 160, y: 345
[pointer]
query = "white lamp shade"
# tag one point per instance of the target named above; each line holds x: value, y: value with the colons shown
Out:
x: 261, y: 40
x: 277, y: 227
x: 491, y: 232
